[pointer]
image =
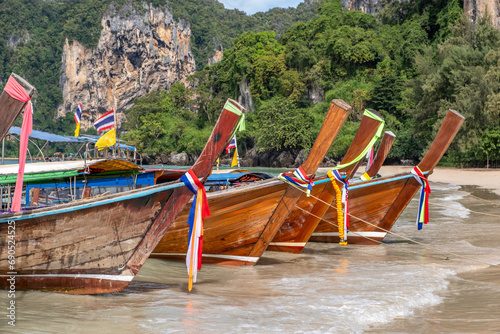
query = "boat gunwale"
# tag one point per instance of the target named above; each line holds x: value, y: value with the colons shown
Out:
x: 88, y: 203
x: 244, y: 187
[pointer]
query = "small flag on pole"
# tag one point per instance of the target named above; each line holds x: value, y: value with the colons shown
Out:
x: 78, y: 117
x: 232, y: 144
x: 108, y: 139
x: 234, y: 163
x: 106, y: 121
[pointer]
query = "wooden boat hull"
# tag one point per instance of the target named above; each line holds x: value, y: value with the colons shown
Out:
x: 83, y: 249
x: 98, y: 245
x: 238, y: 219
x: 244, y: 220
x: 369, y: 201
x: 378, y: 202
x: 298, y: 226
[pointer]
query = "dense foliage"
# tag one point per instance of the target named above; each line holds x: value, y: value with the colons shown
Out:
x: 412, y: 62
x: 33, y: 33
x: 212, y: 25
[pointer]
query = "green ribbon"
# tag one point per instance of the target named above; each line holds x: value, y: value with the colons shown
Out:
x: 377, y: 135
x: 232, y: 108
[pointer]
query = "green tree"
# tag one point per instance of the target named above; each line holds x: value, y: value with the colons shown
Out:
x: 281, y: 125
x: 490, y: 144
x: 462, y: 74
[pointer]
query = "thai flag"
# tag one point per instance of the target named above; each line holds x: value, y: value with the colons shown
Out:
x: 106, y: 121
x: 78, y: 113
x: 232, y: 144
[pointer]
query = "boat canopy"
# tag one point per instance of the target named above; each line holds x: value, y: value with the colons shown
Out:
x: 53, y: 138
x: 35, y: 134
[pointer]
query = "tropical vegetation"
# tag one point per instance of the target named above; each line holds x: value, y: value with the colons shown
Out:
x: 411, y: 62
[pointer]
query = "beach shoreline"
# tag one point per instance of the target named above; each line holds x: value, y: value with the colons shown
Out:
x: 481, y: 177
x: 487, y: 178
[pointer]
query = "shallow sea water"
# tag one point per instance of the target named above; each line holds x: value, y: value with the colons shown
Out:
x: 398, y: 287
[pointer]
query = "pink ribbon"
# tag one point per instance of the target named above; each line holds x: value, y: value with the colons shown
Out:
x: 16, y: 91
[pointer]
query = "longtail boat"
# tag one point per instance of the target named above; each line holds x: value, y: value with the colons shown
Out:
x: 98, y: 245
x: 51, y: 183
x: 289, y: 237
x: 381, y: 201
x: 244, y: 219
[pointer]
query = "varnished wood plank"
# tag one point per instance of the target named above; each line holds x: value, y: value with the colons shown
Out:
x: 299, y: 230
x: 382, y: 208
x: 225, y: 232
x: 108, y: 238
x: 382, y: 152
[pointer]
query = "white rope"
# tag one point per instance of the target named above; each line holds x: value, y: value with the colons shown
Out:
x: 390, y: 232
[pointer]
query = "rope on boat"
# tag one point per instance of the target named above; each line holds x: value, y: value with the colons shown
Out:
x: 392, y: 233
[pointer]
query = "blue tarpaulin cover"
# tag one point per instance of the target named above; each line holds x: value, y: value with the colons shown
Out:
x: 35, y: 134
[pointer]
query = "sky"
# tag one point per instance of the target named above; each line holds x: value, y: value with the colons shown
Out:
x: 252, y: 6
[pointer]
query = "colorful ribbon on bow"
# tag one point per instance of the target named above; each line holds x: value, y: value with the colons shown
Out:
x: 234, y: 109
x: 423, y: 206
x: 16, y: 91
x: 335, y: 177
x: 298, y: 178
x: 377, y: 135
x: 369, y: 159
x: 199, y: 210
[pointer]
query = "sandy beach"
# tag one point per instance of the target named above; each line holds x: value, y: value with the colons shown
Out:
x: 482, y: 177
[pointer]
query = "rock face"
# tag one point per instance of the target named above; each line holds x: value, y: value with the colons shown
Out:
x: 217, y: 56
x: 245, y: 98
x: 367, y: 6
x: 474, y: 8
x: 477, y: 8
x: 137, y: 53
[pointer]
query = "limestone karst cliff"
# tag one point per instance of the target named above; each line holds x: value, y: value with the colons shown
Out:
x: 367, y: 6
x: 137, y: 53
x: 477, y: 8
x: 473, y: 8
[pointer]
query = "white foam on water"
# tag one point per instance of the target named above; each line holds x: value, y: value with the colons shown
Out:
x: 362, y: 295
x: 453, y: 207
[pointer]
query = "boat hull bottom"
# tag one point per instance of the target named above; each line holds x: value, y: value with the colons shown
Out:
x: 290, y: 247
x: 360, y: 238
x: 228, y: 260
x: 69, y: 285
